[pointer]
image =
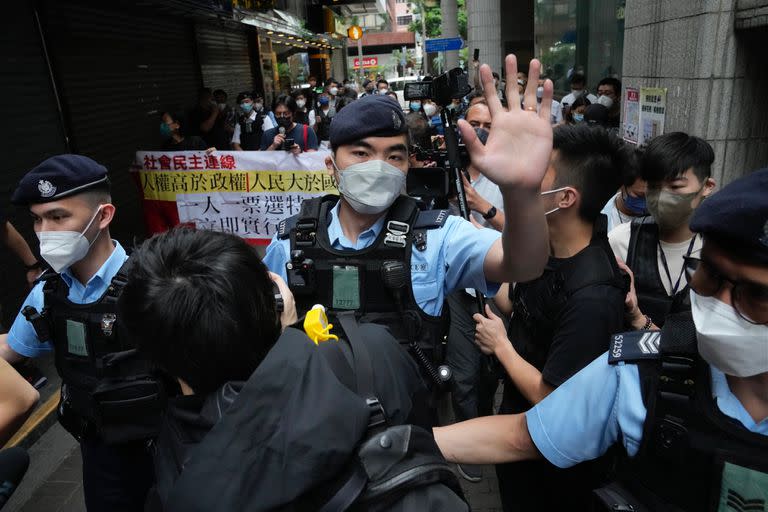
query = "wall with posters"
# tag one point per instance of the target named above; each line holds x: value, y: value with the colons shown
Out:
x: 710, y: 58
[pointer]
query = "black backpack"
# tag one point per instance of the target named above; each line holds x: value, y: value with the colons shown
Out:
x: 396, y: 468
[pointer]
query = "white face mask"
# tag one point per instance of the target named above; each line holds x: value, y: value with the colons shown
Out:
x: 371, y: 187
x: 334, y: 91
x: 553, y: 210
x: 605, y: 101
x: 577, y: 94
x: 301, y: 103
x: 62, y: 249
x: 430, y: 109
x: 727, y: 341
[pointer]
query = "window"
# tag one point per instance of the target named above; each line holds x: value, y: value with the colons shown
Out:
x: 404, y: 20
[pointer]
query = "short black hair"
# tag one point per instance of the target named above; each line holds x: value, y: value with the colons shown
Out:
x: 287, y: 101
x: 613, y: 82
x: 631, y: 171
x: 177, y: 117
x: 475, y: 94
x: 220, y: 92
x: 589, y: 159
x: 668, y: 156
x: 200, y: 304
x: 578, y: 78
x: 496, y: 75
x: 246, y: 94
x: 381, y: 81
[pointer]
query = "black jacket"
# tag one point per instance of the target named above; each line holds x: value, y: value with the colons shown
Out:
x: 291, y: 428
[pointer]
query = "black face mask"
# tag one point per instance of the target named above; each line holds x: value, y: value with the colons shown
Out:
x: 285, y: 122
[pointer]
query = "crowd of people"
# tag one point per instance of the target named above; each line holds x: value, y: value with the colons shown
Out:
x: 620, y: 299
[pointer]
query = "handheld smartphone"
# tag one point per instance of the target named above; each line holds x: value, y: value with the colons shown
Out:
x: 288, y: 144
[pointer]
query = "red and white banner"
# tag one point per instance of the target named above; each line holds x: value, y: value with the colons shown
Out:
x: 246, y: 193
x: 368, y: 62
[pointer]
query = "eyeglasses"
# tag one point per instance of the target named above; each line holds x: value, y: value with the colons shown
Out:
x: 750, y: 300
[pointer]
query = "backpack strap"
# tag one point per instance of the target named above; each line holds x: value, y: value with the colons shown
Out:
x: 306, y: 143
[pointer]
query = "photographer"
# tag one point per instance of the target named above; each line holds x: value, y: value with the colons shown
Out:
x: 410, y: 259
x: 288, y: 135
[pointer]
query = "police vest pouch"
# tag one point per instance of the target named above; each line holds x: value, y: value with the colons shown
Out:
x: 615, y: 498
x: 127, y: 409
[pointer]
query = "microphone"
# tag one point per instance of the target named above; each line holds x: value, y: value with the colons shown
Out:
x: 281, y: 130
x: 14, y: 463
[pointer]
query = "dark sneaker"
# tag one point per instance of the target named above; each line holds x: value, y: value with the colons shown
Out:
x: 470, y: 472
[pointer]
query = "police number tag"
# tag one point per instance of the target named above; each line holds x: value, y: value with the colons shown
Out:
x: 76, y: 339
x: 346, y: 287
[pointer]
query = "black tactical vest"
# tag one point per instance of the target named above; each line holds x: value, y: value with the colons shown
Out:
x: 692, y: 456
x: 109, y: 391
x: 383, y: 271
x: 642, y: 258
x: 251, y: 132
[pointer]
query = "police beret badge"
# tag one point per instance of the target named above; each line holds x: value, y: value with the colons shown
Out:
x: 46, y: 188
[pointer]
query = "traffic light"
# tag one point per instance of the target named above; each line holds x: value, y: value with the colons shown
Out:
x: 354, y: 32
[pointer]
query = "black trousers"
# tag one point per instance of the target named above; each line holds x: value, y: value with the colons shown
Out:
x: 116, y: 478
x: 474, y: 380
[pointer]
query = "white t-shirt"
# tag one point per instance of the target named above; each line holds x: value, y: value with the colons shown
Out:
x: 266, y: 125
x: 489, y: 191
x: 674, y: 253
x: 570, y: 98
x: 615, y: 216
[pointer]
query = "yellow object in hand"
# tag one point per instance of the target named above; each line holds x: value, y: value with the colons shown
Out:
x: 316, y: 325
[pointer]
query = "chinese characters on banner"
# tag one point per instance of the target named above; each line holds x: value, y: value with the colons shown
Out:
x: 653, y: 109
x: 246, y: 193
x: 631, y: 115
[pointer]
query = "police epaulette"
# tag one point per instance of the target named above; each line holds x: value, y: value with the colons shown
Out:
x: 285, y: 227
x: 431, y: 219
x: 634, y: 346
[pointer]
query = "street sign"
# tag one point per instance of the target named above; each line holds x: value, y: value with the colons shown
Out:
x: 444, y: 45
x: 354, y: 32
x: 368, y: 62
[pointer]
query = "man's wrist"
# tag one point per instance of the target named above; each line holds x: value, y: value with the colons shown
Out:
x: 641, y: 321
x: 33, y: 266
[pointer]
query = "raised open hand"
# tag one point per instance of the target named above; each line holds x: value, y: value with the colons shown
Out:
x: 517, y: 152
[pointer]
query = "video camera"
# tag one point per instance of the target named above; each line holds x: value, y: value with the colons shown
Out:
x: 453, y: 84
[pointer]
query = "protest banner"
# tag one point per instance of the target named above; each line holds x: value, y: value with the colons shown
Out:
x: 246, y: 193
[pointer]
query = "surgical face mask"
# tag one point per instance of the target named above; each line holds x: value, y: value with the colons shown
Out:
x: 258, y: 106
x: 670, y: 211
x: 577, y: 93
x: 727, y: 341
x: 539, y: 92
x: 383, y: 92
x: 605, y: 101
x: 578, y: 118
x: 553, y: 210
x: 430, y: 109
x: 371, y: 187
x: 62, y: 249
x: 247, y: 107
x: 301, y: 103
x: 222, y: 106
x: 165, y: 130
x: 636, y: 205
x: 334, y: 91
x: 482, y: 134
x: 415, y: 106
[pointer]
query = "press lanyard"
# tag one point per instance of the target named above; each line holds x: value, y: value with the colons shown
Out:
x: 682, y: 270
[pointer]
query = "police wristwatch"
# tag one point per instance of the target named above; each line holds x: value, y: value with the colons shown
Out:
x: 490, y: 213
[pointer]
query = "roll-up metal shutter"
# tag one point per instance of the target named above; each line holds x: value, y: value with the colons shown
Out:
x: 225, y: 57
x: 31, y: 131
x: 118, y: 68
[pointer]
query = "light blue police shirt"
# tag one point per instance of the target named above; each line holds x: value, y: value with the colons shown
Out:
x: 453, y: 259
x: 22, y: 337
x: 601, y: 404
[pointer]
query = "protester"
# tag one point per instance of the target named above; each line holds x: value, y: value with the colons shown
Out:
x: 258, y: 393
x: 304, y: 114
x: 274, y: 140
x: 690, y: 414
x: 173, y: 132
x: 677, y: 168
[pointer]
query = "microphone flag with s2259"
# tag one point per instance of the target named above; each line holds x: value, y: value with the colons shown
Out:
x: 13, y: 465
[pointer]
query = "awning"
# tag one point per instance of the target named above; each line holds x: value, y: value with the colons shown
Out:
x: 287, y: 29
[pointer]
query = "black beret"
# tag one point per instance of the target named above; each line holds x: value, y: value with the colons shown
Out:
x: 58, y: 177
x: 370, y: 116
x: 737, y: 216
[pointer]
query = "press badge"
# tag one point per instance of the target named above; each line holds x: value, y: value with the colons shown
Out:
x: 346, y: 287
x: 76, y: 338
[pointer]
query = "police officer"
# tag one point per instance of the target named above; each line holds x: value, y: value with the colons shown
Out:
x: 252, y: 122
x: 109, y: 398
x: 372, y: 251
x: 689, y: 406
